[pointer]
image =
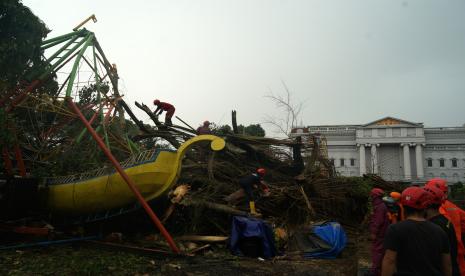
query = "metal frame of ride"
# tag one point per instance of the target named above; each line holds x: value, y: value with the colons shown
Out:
x: 74, y: 48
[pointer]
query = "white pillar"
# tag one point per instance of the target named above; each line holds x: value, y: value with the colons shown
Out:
x: 419, y: 161
x: 363, y: 167
x: 407, y: 171
x: 374, y: 159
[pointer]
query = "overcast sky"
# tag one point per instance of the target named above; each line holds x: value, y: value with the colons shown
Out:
x: 351, y: 62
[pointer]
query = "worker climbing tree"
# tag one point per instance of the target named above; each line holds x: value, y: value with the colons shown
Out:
x: 163, y: 106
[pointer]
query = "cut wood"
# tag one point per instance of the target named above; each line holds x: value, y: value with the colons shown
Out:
x: 214, y: 206
x: 202, y: 238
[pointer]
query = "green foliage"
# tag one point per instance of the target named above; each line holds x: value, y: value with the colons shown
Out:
x: 88, y: 94
x: 221, y: 130
x: 21, y: 34
x: 457, y: 191
x: 362, y: 186
x: 252, y: 130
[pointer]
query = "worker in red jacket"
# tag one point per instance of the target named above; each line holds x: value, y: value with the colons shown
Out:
x: 437, y: 198
x: 204, y: 129
x: 378, y: 225
x: 456, y: 215
x: 162, y: 106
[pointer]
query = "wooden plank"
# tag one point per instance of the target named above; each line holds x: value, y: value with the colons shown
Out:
x: 203, y: 238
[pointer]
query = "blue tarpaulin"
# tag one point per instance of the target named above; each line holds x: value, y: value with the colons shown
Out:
x: 246, y: 227
x: 333, y: 234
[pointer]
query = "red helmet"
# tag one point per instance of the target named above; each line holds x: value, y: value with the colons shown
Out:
x: 376, y: 192
x: 436, y: 195
x: 416, y: 198
x: 438, y: 183
x: 261, y: 172
x: 156, y: 102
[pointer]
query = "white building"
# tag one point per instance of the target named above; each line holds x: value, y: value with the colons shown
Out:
x: 394, y: 149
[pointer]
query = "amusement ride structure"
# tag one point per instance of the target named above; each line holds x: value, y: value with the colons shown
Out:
x: 74, y: 105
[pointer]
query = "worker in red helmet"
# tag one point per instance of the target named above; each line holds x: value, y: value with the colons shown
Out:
x: 416, y: 246
x: 456, y: 216
x: 432, y: 214
x: 162, y: 106
x: 248, y: 184
x: 204, y: 128
x: 378, y: 224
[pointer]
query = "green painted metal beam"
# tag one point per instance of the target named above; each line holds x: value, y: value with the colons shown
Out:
x: 132, y: 145
x: 65, y: 36
x: 88, y: 40
x: 97, y: 81
x: 62, y: 48
x: 63, y: 58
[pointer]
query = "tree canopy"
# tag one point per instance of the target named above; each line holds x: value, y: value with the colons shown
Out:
x: 21, y: 35
x: 252, y: 130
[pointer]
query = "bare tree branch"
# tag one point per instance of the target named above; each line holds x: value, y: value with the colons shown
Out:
x: 292, y: 111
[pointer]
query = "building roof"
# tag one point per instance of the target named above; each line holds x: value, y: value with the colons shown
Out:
x: 388, y: 121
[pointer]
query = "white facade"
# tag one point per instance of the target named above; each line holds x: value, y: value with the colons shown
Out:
x: 394, y: 149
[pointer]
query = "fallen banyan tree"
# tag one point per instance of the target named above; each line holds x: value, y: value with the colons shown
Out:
x: 304, y: 185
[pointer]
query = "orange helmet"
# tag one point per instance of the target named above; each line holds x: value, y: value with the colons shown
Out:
x: 416, y: 198
x: 439, y: 183
x: 261, y: 172
x: 395, y: 195
x: 156, y: 102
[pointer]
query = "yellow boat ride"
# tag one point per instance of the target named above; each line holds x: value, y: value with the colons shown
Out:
x: 153, y: 171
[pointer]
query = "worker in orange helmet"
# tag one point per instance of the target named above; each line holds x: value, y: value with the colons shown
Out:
x: 397, y: 196
x: 456, y: 216
x: 392, y: 209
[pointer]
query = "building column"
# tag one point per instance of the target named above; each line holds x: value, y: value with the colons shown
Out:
x: 374, y: 159
x: 363, y: 166
x: 407, y: 171
x: 419, y: 160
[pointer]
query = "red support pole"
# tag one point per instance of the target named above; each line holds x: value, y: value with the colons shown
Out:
x: 93, y: 117
x: 107, y: 116
x: 20, y: 161
x: 126, y: 178
x: 7, y: 161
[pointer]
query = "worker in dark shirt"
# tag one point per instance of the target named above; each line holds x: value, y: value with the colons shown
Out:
x: 433, y: 215
x: 162, y: 106
x: 416, y: 246
x: 249, y: 182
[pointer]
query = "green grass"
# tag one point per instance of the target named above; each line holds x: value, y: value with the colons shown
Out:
x: 66, y: 260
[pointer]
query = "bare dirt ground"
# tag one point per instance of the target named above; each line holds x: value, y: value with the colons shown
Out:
x: 87, y: 259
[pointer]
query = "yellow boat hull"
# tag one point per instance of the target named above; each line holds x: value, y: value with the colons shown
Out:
x: 108, y: 192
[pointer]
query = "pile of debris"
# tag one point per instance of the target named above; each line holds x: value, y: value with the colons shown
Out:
x: 304, y: 185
